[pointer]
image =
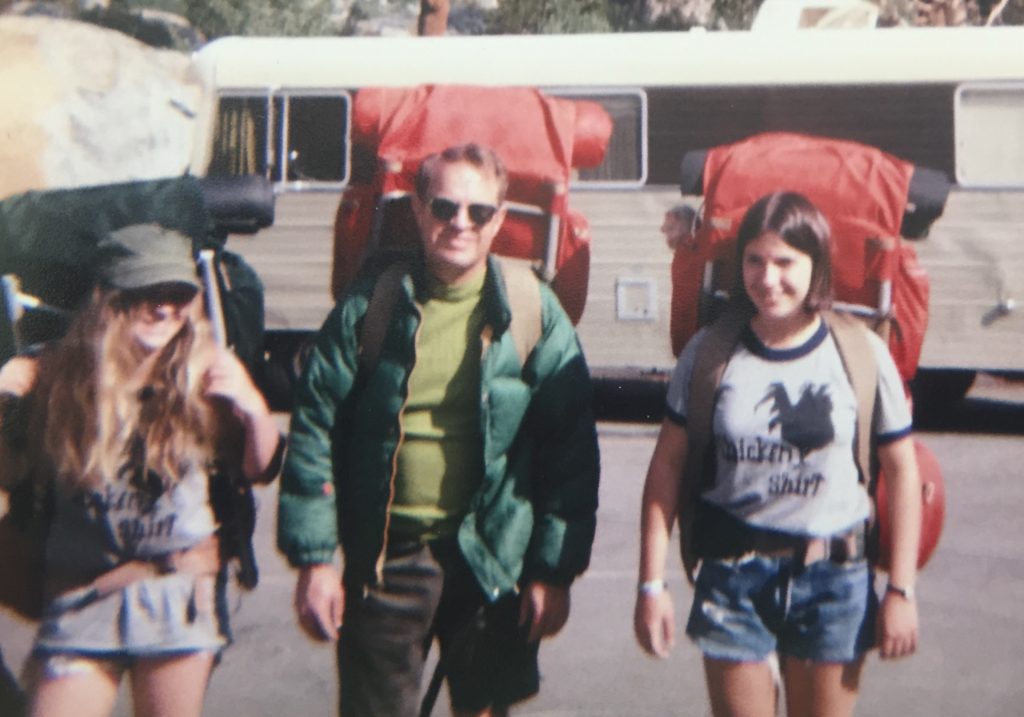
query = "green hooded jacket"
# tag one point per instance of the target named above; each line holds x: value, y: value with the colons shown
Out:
x: 534, y: 514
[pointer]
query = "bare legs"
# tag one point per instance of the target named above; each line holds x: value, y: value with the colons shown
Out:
x: 748, y: 689
x: 161, y: 687
x: 740, y: 689
x: 489, y: 712
x: 821, y: 689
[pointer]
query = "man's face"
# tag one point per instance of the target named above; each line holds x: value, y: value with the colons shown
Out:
x: 458, y: 221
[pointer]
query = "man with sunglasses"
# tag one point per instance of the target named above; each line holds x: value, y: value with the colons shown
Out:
x: 459, y: 479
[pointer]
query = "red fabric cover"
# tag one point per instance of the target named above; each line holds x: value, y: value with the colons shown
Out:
x: 540, y: 139
x: 353, y: 223
x: 863, y: 193
x: 933, y: 509
x: 910, y: 293
x: 687, y: 277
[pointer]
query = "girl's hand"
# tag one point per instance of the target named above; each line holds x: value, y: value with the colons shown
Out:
x: 654, y: 623
x: 897, y: 627
x: 18, y: 376
x: 227, y: 378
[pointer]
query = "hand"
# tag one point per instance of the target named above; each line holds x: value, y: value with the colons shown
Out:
x: 320, y: 601
x: 654, y: 623
x: 228, y: 378
x: 545, y: 608
x: 18, y: 376
x: 897, y: 627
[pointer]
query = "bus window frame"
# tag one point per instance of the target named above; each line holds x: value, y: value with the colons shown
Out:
x: 278, y: 142
x: 268, y: 141
x: 591, y: 93
x: 960, y: 125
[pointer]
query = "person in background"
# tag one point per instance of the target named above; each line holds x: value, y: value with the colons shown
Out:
x: 459, y: 478
x: 121, y: 425
x: 777, y: 518
x: 680, y: 226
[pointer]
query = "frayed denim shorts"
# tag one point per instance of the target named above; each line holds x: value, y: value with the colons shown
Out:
x: 746, y: 608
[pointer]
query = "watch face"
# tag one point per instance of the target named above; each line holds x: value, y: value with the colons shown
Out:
x: 906, y: 593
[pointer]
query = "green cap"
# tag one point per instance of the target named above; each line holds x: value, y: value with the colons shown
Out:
x: 144, y: 255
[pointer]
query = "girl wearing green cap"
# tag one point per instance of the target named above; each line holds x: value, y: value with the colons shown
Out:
x: 123, y: 423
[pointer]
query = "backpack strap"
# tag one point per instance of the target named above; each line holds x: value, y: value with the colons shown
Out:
x: 709, y: 365
x: 851, y: 337
x: 378, y: 314
x: 523, y: 290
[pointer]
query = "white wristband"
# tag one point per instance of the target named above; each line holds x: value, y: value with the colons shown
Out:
x: 652, y: 587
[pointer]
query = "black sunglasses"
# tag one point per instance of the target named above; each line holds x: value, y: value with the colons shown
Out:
x: 444, y: 210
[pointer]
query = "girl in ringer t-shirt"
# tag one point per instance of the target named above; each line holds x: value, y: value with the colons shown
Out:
x: 783, y: 439
x: 125, y: 418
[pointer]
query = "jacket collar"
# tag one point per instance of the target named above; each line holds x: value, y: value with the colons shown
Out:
x: 497, y: 310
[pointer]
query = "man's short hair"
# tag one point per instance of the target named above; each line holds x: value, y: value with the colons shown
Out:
x: 483, y: 158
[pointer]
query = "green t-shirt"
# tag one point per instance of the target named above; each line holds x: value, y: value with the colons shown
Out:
x: 440, y: 458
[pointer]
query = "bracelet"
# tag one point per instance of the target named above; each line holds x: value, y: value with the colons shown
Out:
x: 652, y: 587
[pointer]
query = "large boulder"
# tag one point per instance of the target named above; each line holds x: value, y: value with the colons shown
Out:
x: 83, y: 105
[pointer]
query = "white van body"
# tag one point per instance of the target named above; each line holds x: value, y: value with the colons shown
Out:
x: 944, y: 98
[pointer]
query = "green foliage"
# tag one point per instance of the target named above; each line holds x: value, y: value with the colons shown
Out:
x: 628, y: 15
x: 636, y: 16
x: 1013, y: 13
x: 549, y: 16
x: 733, y: 14
x: 261, y: 17
x: 175, y: 6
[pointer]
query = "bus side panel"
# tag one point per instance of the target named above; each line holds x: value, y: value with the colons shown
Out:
x: 974, y: 255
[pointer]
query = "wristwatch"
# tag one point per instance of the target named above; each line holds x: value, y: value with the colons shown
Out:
x: 905, y: 593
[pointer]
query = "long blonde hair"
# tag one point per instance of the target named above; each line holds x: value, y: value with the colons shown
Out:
x: 91, y: 417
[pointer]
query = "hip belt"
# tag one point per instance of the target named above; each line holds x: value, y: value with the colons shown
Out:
x: 719, y: 535
x: 203, y: 558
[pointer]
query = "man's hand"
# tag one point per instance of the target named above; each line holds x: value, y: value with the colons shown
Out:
x: 654, y: 623
x: 320, y: 601
x: 544, y: 608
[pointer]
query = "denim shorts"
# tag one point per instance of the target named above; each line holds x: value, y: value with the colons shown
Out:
x: 746, y: 608
x: 162, y: 616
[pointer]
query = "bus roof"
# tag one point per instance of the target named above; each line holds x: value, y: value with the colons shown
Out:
x: 698, y: 58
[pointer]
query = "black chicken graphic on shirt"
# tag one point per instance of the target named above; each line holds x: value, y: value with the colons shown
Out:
x: 806, y: 424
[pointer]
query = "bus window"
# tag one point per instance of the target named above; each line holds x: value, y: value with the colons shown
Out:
x: 297, y: 140
x: 989, y: 142
x: 241, y: 144
x: 625, y: 161
x: 317, y: 129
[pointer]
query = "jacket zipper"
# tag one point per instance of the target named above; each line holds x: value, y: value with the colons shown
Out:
x: 382, y: 556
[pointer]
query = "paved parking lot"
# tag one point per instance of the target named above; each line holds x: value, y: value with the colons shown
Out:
x: 970, y: 661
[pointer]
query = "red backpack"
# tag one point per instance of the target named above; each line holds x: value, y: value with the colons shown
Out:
x: 864, y: 194
x: 541, y: 139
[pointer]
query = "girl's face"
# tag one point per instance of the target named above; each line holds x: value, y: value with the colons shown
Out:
x: 157, y: 314
x: 777, y: 277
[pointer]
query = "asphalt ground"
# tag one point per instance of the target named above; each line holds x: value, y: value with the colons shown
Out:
x: 970, y: 662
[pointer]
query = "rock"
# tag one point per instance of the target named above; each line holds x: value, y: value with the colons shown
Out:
x: 84, y: 105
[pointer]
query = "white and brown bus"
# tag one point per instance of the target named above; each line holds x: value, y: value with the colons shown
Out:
x: 950, y: 99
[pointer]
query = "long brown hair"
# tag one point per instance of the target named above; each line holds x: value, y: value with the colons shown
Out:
x: 90, y: 417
